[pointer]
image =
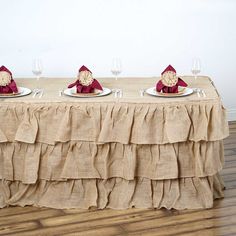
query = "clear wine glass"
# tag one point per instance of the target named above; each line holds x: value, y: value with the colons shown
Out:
x: 116, y: 67
x: 37, y: 68
x: 196, y: 67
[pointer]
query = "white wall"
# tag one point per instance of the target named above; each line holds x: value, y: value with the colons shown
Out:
x: 146, y: 34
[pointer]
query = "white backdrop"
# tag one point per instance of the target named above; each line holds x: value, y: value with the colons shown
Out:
x: 146, y: 34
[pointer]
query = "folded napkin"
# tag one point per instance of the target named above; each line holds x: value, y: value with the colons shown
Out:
x: 85, y: 82
x: 7, y: 84
x: 169, y: 82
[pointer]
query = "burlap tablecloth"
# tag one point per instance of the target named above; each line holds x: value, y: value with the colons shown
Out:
x: 133, y: 151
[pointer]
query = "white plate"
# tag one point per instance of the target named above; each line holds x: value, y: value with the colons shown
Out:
x: 72, y: 92
x: 152, y: 91
x: 22, y: 92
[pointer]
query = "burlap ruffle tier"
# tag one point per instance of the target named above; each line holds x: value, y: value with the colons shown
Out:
x: 112, y: 122
x: 116, y: 193
x: 77, y: 160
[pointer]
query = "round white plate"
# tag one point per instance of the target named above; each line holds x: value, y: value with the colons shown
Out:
x: 22, y: 92
x: 152, y: 91
x: 72, y: 92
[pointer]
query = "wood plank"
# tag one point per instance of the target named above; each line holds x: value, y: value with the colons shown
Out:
x: 35, y: 215
x: 106, y: 231
x: 229, y: 194
x: 232, y: 131
x: 103, y: 212
x: 229, y: 178
x: 74, y: 229
x: 77, y: 211
x: 231, y: 146
x: 229, y: 230
x: 102, y: 216
x: 232, y: 125
x: 14, y: 210
x: 135, y: 221
x: 224, y: 202
x: 230, y: 184
x: 180, y: 219
x: 230, y: 158
x: 198, y: 227
x: 229, y: 153
x: 230, y: 164
x: 230, y: 139
x: 228, y: 171
x: 18, y: 227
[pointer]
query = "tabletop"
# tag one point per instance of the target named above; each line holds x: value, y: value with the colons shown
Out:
x: 130, y: 86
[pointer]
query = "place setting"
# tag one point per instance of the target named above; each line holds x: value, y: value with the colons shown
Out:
x: 8, y: 86
x: 85, y: 86
x: 171, y: 86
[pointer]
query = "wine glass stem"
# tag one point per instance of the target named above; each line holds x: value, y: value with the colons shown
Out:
x: 195, y: 76
x: 116, y: 90
x: 38, y: 82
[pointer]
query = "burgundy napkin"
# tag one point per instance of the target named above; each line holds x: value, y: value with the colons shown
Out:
x: 85, y: 82
x: 169, y: 82
x: 7, y: 84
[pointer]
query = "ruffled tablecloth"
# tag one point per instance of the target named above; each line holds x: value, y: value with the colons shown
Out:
x: 133, y: 151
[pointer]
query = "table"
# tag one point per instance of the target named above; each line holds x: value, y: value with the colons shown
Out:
x: 134, y: 151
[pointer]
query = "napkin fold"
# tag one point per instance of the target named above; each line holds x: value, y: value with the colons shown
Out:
x: 169, y: 81
x: 85, y: 82
x: 7, y: 84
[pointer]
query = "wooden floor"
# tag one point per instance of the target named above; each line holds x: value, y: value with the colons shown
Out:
x: 220, y: 220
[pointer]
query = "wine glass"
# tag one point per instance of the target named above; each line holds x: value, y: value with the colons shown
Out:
x: 37, y: 68
x: 116, y: 67
x: 196, y: 67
